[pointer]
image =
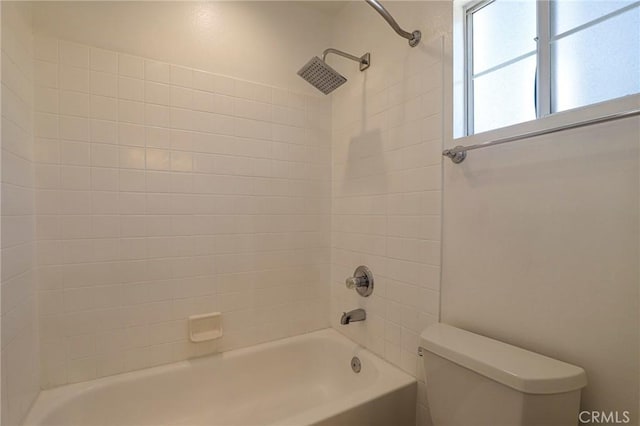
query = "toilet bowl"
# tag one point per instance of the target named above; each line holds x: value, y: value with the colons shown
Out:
x: 472, y: 380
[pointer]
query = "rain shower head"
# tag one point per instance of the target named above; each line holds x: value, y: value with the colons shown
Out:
x: 324, y: 78
x: 321, y: 75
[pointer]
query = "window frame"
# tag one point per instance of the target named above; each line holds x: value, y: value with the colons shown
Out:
x: 463, y: 113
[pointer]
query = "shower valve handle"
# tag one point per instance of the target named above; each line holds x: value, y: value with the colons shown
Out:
x: 361, y: 281
x: 354, y: 282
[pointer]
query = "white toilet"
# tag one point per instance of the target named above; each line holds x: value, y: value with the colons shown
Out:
x: 473, y: 380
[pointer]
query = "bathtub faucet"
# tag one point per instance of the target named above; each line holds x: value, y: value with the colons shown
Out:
x: 351, y: 316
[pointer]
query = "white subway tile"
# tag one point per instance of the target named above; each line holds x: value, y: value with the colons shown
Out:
x: 104, y: 108
x: 158, y: 181
x: 252, y: 91
x: 73, y: 54
x: 103, y: 131
x: 105, y: 179
x: 103, y: 155
x: 51, y: 303
x: 252, y: 129
x: 253, y: 110
x: 224, y: 85
x: 130, y: 66
x: 46, y: 49
x: 222, y: 104
x: 74, y: 128
x: 181, y: 161
x: 131, y: 89
x: 157, y: 116
x: 73, y: 78
x: 132, y: 180
x: 157, y: 137
x: 181, y: 97
x: 81, y: 370
x: 104, y: 84
x: 105, y: 203
x: 156, y: 93
x: 158, y: 159
x: 105, y: 226
x: 181, y: 76
x: 47, y: 176
x: 203, y: 81
x: 103, y: 60
x: 133, y: 226
x: 46, y: 100
x: 74, y: 153
x: 202, y: 101
x: 157, y: 71
x: 131, y: 134
x: 73, y: 103
x: 47, y: 151
x: 132, y: 158
x: 45, y: 74
x: 109, y: 364
x: 131, y: 112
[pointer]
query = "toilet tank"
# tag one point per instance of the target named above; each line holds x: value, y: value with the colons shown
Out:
x: 475, y: 380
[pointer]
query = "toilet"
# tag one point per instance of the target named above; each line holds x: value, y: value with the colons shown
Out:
x: 472, y: 380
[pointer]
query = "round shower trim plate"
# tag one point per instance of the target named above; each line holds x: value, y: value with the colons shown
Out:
x: 417, y: 35
x: 364, y: 272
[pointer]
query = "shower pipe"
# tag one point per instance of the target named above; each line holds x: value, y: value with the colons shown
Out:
x: 459, y: 153
x: 364, y: 60
x: 414, y: 37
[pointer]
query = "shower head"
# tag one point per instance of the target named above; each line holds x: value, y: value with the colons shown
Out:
x: 321, y: 75
x: 324, y: 78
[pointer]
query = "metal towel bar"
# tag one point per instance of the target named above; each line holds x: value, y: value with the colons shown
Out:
x: 459, y: 153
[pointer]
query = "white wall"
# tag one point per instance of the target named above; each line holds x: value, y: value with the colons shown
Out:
x: 19, y: 343
x: 387, y: 139
x: 261, y: 41
x: 165, y: 191
x: 540, y: 242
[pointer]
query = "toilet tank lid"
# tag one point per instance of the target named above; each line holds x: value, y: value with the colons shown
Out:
x: 515, y: 367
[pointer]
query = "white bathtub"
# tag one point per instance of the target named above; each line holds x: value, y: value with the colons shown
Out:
x: 302, y: 380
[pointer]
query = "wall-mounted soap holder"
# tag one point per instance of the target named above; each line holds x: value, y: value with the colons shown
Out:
x: 205, y: 327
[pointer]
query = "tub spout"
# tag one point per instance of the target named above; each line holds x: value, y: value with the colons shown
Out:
x: 351, y: 316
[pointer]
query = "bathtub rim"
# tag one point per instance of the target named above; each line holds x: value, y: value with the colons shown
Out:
x: 390, y: 379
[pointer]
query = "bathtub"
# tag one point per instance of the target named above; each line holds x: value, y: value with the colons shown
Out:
x: 302, y: 380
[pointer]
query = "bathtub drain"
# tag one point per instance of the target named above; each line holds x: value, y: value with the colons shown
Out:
x: 355, y: 364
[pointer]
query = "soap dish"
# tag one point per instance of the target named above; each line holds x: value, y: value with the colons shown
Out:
x: 205, y: 327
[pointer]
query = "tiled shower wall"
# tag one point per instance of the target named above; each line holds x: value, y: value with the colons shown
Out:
x: 20, y: 373
x: 164, y: 192
x: 386, y: 206
x: 386, y: 192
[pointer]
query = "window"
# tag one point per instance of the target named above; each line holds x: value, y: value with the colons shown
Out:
x: 526, y: 59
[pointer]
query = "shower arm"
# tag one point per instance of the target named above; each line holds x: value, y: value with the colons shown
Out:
x: 414, y: 37
x: 364, y: 60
